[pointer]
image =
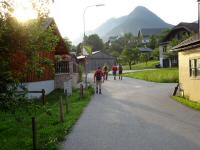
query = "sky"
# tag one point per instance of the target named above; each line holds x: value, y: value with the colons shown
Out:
x: 68, y: 14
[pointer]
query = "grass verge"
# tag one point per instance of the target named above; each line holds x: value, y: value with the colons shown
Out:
x: 16, y: 131
x: 149, y: 65
x: 160, y: 75
x: 187, y: 102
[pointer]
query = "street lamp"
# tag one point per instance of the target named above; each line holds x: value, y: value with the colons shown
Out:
x: 84, y: 36
x: 97, y: 5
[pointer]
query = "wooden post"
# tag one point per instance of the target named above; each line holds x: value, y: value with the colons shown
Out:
x: 34, y: 133
x: 67, y: 105
x: 61, y: 110
x: 175, y: 90
x: 43, y: 96
x: 81, y: 90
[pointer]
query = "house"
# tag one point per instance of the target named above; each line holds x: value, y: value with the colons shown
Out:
x: 179, y: 32
x: 145, y: 50
x: 145, y: 34
x: 99, y: 59
x: 189, y: 65
x: 63, y: 64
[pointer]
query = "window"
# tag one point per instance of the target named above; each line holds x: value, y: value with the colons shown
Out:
x: 194, y: 65
x: 62, y: 67
x: 75, y: 68
x: 164, y: 48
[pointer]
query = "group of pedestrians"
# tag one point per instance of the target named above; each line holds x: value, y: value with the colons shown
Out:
x: 101, y: 74
x: 119, y: 69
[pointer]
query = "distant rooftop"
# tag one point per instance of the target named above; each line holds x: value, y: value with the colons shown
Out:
x: 191, y: 42
x: 145, y: 49
x: 95, y: 52
x: 193, y: 27
x: 190, y: 27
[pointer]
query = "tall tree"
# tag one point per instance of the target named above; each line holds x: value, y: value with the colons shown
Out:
x: 155, y: 54
x: 28, y: 38
x: 144, y: 57
x: 130, y: 55
x: 95, y: 41
x: 153, y: 42
x: 68, y: 43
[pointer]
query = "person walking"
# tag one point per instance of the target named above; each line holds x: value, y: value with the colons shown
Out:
x: 98, y: 80
x: 114, y: 70
x: 120, y: 68
x: 105, y: 72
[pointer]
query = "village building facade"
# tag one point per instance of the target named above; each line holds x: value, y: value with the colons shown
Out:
x: 179, y: 32
x: 189, y: 67
x: 63, y: 74
x: 99, y: 59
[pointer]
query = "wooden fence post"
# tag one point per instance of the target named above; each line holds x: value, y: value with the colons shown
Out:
x: 175, y: 90
x: 61, y: 110
x: 67, y: 103
x: 43, y: 96
x: 81, y: 90
x: 34, y: 133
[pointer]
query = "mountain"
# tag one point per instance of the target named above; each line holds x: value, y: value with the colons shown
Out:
x: 139, y: 18
x: 109, y: 25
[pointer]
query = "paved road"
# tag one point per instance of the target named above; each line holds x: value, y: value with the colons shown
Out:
x: 135, y: 115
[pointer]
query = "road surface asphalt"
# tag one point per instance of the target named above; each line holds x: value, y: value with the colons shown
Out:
x: 135, y: 115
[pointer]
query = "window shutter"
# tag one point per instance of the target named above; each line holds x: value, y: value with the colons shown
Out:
x: 195, y: 66
x: 190, y: 68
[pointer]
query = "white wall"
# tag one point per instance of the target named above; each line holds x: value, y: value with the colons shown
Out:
x: 68, y: 87
x: 48, y: 86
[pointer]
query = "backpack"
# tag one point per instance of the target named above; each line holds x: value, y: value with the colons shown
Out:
x: 120, y: 68
x: 98, y: 75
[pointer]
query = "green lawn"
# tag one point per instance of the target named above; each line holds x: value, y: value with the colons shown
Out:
x: 160, y: 75
x: 186, y: 102
x: 149, y: 65
x: 16, y: 131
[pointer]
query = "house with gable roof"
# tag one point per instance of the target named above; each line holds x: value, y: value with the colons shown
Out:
x: 65, y: 66
x: 179, y: 32
x: 189, y: 65
x: 99, y: 59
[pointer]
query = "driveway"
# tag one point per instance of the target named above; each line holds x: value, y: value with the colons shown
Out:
x: 135, y: 115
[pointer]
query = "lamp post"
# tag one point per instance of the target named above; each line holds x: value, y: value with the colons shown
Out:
x: 84, y: 36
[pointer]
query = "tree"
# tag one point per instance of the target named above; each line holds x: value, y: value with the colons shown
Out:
x: 153, y: 42
x: 163, y: 35
x: 144, y: 57
x: 127, y: 56
x: 68, y: 43
x: 30, y: 38
x: 155, y: 54
x: 79, y: 49
x: 94, y: 41
x: 130, y: 55
x: 172, y: 54
x: 136, y: 55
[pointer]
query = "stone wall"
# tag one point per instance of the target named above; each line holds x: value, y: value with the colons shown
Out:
x: 60, y: 79
x: 75, y: 79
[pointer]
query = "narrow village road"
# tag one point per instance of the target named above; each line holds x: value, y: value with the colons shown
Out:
x: 135, y: 115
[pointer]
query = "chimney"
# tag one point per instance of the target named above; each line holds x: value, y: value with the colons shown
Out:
x: 199, y: 16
